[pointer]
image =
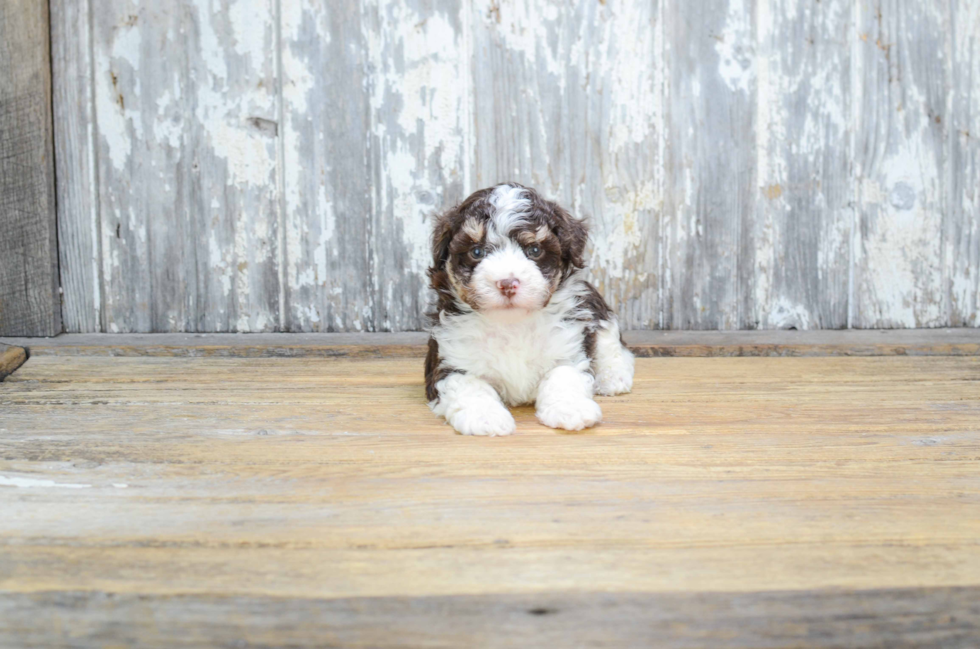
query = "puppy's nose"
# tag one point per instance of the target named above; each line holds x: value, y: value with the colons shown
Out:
x: 508, y: 286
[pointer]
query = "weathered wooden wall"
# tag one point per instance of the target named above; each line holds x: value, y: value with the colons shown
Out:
x: 259, y: 165
x: 29, y: 299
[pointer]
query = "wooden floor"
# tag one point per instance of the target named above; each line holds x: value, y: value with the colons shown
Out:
x: 301, y: 502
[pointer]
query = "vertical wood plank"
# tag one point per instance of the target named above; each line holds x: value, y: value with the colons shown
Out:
x: 77, y: 184
x: 900, y: 123
x: 374, y: 98
x: 711, y: 184
x: 187, y: 164
x: 29, y: 299
x: 418, y: 57
x: 962, y: 236
x: 328, y: 211
x: 797, y: 253
x: 568, y: 98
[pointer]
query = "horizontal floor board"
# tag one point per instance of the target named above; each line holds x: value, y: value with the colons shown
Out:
x: 853, y: 342
x: 780, y: 495
x: 895, y: 618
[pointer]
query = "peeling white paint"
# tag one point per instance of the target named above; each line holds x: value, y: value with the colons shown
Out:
x: 636, y: 96
x: 169, y: 125
x: 424, y: 91
x: 212, y: 48
x: 310, y: 218
x: 585, y: 120
x: 119, y: 123
x: 219, y: 263
x: 249, y: 157
x: 735, y: 48
x: 522, y: 27
x: 252, y: 37
x: 769, y: 127
x: 784, y: 314
x: 626, y: 211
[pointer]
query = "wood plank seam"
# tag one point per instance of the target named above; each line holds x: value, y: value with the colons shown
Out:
x: 932, y: 342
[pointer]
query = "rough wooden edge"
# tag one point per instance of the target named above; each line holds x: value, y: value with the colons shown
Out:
x: 850, y: 342
x: 904, y: 617
x: 11, y: 358
x: 29, y: 300
x: 905, y: 342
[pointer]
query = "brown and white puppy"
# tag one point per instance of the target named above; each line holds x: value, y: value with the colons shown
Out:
x: 515, y: 321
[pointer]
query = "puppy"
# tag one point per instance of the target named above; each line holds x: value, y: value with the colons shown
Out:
x: 516, y: 323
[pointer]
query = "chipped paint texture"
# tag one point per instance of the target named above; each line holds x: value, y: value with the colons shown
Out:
x: 188, y: 196
x: 569, y: 99
x: 795, y: 247
x: 901, y: 125
x: 260, y: 165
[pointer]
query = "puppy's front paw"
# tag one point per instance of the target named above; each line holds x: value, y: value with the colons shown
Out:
x: 569, y: 414
x: 614, y: 381
x: 491, y: 419
x: 614, y: 374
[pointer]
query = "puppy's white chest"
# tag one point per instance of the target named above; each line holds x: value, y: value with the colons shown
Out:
x: 512, y: 357
x: 526, y: 343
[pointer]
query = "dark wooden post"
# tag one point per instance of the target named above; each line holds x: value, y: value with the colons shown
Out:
x: 29, y: 298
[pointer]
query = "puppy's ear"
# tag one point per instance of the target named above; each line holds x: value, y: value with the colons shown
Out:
x: 573, y: 234
x: 442, y: 236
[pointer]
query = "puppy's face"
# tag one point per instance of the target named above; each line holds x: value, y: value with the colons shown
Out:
x: 504, y: 251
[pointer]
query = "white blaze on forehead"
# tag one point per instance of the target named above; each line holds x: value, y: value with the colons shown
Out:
x: 511, y: 207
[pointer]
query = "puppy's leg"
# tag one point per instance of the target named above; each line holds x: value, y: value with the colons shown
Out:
x: 565, y: 399
x: 472, y: 406
x: 612, y: 363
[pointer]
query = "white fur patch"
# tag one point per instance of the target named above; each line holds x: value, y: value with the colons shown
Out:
x: 513, y: 356
x: 565, y: 399
x: 613, y: 363
x: 511, y: 207
x: 472, y: 406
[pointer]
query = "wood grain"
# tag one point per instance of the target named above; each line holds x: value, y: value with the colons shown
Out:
x: 29, y: 300
x: 743, y: 163
x: 373, y: 149
x: 193, y: 483
x: 900, y: 121
x: 931, y: 342
x: 901, y: 618
x: 75, y: 165
x: 795, y: 256
x: 961, y: 236
x: 187, y: 165
x: 711, y: 190
x: 417, y: 57
x: 327, y: 238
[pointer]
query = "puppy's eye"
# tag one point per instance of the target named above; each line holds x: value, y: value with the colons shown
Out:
x: 534, y: 251
x: 477, y: 253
